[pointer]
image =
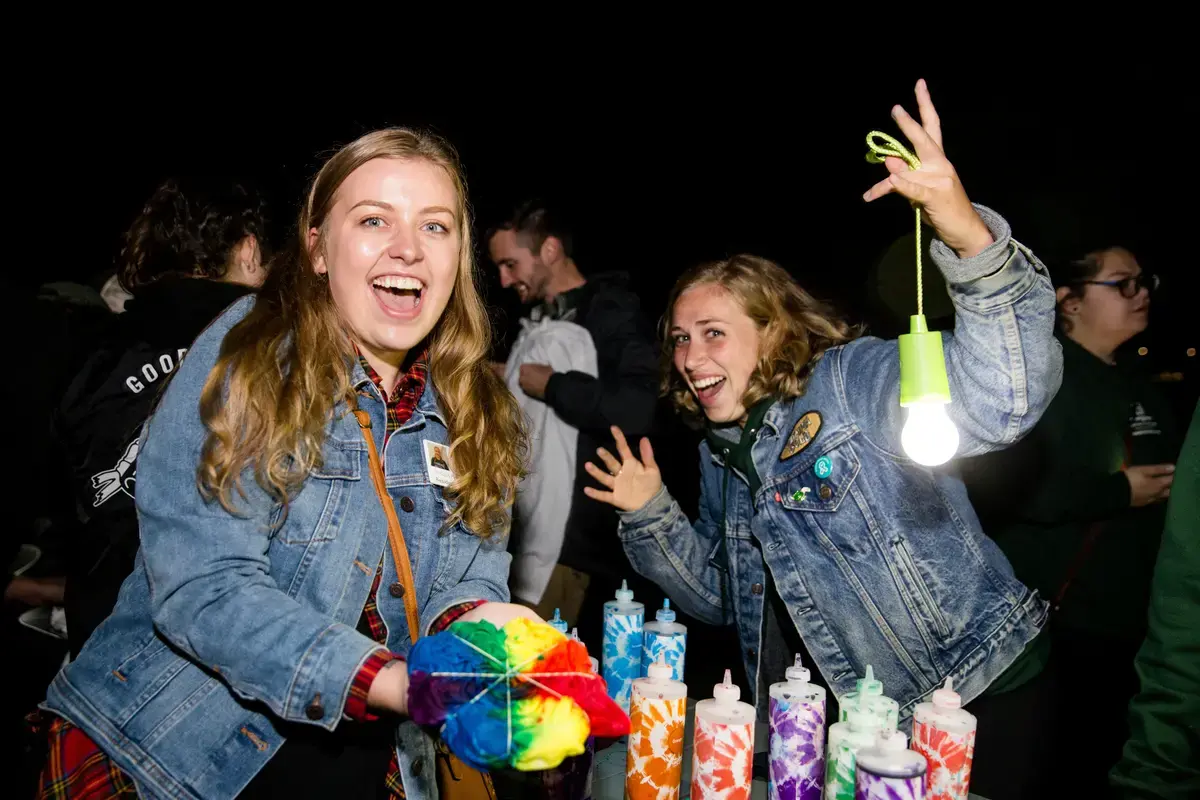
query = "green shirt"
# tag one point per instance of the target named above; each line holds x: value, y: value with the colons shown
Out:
x: 1162, y: 756
x: 1044, y: 498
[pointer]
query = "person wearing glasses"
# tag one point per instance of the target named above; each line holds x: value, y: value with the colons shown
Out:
x: 1078, y: 506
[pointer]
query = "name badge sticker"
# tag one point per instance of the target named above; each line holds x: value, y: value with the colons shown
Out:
x: 437, y: 463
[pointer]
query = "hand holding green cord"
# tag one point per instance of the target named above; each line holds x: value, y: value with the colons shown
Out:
x: 928, y: 178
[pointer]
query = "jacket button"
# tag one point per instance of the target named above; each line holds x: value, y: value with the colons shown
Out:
x: 407, y: 504
x: 315, y: 710
x: 756, y: 589
x: 752, y: 654
x: 396, y: 589
x: 418, y: 767
x: 825, y: 491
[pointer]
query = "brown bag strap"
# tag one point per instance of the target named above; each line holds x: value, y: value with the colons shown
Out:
x: 395, y: 534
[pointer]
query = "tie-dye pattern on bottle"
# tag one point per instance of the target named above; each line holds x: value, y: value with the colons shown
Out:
x: 944, y: 733
x: 845, y: 740
x: 723, y: 748
x: 888, y: 770
x: 664, y: 639
x: 654, y: 756
x: 622, y: 647
x: 797, y: 744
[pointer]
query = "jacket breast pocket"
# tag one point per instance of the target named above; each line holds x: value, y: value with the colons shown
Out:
x: 318, y: 510
x: 823, y: 485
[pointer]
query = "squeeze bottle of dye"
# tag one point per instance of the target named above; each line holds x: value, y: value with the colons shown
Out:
x: 888, y: 770
x: 797, y: 743
x: 654, y: 755
x: 723, y: 746
x: 665, y: 639
x: 622, y: 651
x: 868, y: 696
x: 558, y: 623
x: 591, y: 659
x: 845, y: 740
x: 944, y: 733
x: 589, y: 746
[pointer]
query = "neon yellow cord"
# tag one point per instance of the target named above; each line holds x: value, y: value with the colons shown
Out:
x: 878, y: 152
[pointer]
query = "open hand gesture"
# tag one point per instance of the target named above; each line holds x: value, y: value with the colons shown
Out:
x: 631, y: 483
x: 934, y: 186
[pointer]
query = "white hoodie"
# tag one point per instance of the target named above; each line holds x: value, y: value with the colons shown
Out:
x: 544, y: 497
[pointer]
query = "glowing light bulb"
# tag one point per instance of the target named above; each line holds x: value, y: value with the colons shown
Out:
x: 928, y: 436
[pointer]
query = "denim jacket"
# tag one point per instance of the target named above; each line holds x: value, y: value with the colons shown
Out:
x: 879, y: 561
x: 228, y: 622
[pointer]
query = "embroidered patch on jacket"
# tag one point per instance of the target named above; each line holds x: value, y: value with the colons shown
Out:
x: 802, y: 435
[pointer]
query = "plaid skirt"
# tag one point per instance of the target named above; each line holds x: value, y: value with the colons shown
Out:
x: 77, y: 769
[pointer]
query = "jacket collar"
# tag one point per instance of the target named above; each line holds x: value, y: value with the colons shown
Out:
x: 427, y: 405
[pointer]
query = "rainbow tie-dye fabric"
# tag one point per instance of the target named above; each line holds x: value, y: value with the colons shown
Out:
x: 522, y: 696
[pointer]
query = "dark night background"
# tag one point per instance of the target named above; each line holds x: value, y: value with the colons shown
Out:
x: 660, y: 171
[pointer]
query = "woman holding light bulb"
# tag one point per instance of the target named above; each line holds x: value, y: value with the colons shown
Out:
x: 815, y: 521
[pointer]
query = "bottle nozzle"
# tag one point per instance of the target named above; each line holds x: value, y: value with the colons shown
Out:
x: 727, y: 692
x: 946, y: 696
x: 666, y: 613
x: 892, y: 741
x: 868, y: 685
x: 558, y: 623
x: 659, y: 671
x: 624, y: 594
x: 797, y: 673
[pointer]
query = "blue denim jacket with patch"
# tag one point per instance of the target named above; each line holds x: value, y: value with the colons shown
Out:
x: 880, y: 561
x: 230, y: 621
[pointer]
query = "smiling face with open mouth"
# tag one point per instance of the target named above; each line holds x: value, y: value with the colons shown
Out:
x: 715, y: 349
x: 391, y: 247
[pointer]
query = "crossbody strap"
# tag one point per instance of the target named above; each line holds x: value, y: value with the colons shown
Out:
x: 395, y: 534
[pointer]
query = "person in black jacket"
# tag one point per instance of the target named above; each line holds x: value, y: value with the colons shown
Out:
x: 532, y: 250
x: 186, y: 258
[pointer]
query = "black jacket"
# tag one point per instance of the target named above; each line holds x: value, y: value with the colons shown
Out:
x: 624, y: 394
x: 98, y: 424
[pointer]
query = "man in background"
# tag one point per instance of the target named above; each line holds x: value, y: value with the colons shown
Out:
x: 533, y: 252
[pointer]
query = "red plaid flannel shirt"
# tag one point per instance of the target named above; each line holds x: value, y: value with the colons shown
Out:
x: 77, y: 769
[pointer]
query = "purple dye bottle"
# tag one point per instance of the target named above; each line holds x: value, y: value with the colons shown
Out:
x: 797, y: 743
x: 889, y: 770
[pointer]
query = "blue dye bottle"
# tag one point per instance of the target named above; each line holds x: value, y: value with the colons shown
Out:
x: 666, y: 640
x: 558, y: 623
x: 623, y: 621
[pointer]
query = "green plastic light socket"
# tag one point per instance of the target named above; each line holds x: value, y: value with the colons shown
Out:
x: 922, y: 365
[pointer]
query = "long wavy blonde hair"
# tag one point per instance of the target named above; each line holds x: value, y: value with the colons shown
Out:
x: 283, y: 369
x: 795, y: 328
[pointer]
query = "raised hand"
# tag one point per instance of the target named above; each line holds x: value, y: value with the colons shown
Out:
x: 631, y: 483
x: 934, y: 186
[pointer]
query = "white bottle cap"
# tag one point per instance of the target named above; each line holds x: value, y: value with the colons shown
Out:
x: 727, y: 693
x: 575, y: 635
x: 861, y: 720
x: 946, y: 697
x: 797, y: 673
x: 891, y: 741
x: 659, y: 671
x: 595, y: 662
x: 625, y: 594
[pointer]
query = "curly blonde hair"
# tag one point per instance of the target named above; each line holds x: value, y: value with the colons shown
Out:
x: 283, y: 369
x: 796, y: 329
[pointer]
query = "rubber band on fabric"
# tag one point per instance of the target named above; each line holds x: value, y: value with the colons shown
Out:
x: 521, y: 697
